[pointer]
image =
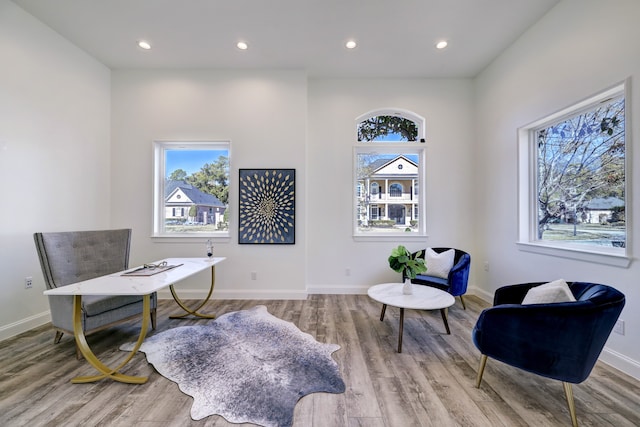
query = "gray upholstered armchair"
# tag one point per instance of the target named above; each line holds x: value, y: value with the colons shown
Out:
x: 70, y: 257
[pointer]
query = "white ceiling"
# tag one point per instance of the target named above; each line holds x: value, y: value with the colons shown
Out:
x: 395, y: 37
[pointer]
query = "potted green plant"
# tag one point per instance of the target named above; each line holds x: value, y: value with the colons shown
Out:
x: 408, y: 264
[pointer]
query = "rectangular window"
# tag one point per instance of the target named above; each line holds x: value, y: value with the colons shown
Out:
x: 387, y: 175
x: 191, y: 189
x: 573, y: 177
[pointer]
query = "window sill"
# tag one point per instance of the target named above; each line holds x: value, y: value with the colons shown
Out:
x: 190, y: 238
x: 615, y: 257
x: 388, y: 237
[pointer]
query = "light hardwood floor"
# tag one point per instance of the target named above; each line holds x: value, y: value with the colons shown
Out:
x: 430, y: 384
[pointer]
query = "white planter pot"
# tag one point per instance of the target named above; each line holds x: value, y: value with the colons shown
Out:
x: 407, y: 288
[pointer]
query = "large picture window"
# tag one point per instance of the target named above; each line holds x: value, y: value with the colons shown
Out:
x: 573, y: 176
x: 388, y: 165
x: 191, y: 196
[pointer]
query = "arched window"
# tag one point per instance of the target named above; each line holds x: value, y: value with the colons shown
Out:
x: 395, y: 190
x: 375, y: 188
x: 390, y: 157
x: 390, y: 125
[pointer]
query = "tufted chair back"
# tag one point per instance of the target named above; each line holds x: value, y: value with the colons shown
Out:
x: 70, y: 257
x: 74, y: 256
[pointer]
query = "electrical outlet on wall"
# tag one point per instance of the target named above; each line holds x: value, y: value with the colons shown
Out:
x: 28, y: 282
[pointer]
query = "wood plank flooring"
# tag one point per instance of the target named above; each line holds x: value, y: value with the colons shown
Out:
x: 430, y: 384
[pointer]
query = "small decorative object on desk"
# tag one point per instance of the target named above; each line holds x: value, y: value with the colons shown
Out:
x: 410, y: 265
x: 209, y: 249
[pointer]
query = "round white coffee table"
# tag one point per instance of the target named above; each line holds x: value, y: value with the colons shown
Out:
x: 423, y: 298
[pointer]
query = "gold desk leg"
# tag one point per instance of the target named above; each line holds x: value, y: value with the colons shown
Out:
x: 105, y: 371
x: 195, y: 312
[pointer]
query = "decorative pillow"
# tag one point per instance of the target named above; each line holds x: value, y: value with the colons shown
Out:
x: 439, y: 264
x: 556, y: 291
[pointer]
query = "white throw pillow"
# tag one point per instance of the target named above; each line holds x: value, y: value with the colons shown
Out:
x: 556, y: 291
x: 439, y: 264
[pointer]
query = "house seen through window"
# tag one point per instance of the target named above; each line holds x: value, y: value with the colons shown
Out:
x: 389, y: 164
x: 192, y: 189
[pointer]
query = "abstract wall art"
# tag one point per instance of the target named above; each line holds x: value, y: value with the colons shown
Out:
x: 267, y: 206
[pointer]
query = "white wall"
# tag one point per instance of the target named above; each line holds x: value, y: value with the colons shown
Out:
x: 69, y: 162
x: 54, y: 154
x: 579, y: 48
x: 334, y: 105
x: 262, y: 113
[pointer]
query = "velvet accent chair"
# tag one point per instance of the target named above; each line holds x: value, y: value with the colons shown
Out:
x: 456, y: 282
x: 74, y: 256
x: 559, y: 340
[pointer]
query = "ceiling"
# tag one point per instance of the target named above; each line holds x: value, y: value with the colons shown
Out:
x: 395, y: 38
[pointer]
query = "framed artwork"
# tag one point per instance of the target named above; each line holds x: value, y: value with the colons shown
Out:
x: 267, y: 206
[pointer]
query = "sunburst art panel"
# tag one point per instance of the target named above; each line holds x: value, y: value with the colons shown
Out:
x: 267, y: 206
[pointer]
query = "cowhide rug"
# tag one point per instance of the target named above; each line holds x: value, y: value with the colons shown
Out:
x: 247, y: 366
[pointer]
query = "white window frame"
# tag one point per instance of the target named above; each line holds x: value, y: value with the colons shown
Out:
x: 159, y: 174
x: 400, y: 147
x: 415, y: 148
x: 528, y: 189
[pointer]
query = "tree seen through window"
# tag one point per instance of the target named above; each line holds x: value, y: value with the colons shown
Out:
x: 581, y: 176
x: 387, y: 128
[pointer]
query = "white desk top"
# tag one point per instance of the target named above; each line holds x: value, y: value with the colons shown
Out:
x: 423, y: 297
x: 117, y: 284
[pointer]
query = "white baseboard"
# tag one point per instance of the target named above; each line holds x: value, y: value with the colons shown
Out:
x: 24, y: 325
x: 362, y: 290
x: 620, y: 362
x: 186, y: 294
x: 337, y: 289
x: 481, y: 293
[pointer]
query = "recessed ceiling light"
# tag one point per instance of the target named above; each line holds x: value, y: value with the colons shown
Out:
x: 242, y: 46
x: 351, y: 44
x: 143, y: 44
x: 442, y: 44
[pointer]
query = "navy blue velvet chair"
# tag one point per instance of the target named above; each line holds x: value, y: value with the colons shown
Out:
x: 559, y: 340
x: 456, y: 282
